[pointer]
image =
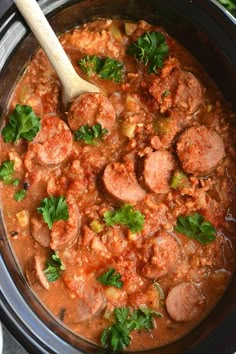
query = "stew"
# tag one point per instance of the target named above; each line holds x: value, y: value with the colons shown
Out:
x: 120, y: 210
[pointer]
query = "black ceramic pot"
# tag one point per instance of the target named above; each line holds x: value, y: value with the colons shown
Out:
x: 210, y: 34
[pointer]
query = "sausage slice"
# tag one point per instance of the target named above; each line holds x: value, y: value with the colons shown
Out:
x: 91, y: 108
x: 185, y: 302
x: 34, y: 272
x: 40, y: 231
x: 89, y: 298
x: 161, y: 255
x: 200, y: 150
x: 157, y: 171
x: 122, y: 183
x: 176, y: 88
x: 64, y: 233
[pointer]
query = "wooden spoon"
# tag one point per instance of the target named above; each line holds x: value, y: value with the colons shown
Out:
x: 72, y: 84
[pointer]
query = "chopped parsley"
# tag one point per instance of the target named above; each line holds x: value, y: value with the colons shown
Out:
x: 6, y: 171
x: 106, y: 69
x: 111, y: 278
x: 54, y: 268
x: 150, y: 49
x: 117, y: 336
x: 16, y: 182
x: 90, y: 135
x: 196, y: 227
x: 126, y: 216
x: 54, y: 209
x: 20, y: 195
x: 230, y: 5
x: 23, y: 123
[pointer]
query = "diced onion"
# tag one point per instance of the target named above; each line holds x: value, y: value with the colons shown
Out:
x: 23, y: 218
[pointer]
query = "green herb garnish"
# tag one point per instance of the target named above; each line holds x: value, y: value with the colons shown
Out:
x: 107, y: 69
x: 6, y: 171
x: 150, y: 49
x: 111, y: 278
x: 15, y: 182
x: 23, y: 123
x: 196, y: 227
x: 54, y: 268
x: 117, y: 336
x: 54, y: 209
x: 125, y: 216
x: 20, y: 195
x: 90, y: 135
x: 230, y: 5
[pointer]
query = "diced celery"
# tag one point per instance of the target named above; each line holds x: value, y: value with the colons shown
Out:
x: 130, y: 27
x: 115, y: 31
x: 96, y: 226
x: 179, y: 180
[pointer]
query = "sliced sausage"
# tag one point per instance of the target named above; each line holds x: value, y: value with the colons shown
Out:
x: 91, y: 108
x: 185, y: 302
x: 40, y: 231
x: 176, y: 88
x: 160, y: 254
x: 88, y: 301
x: 200, y: 150
x: 51, y: 146
x: 34, y: 272
x: 157, y: 171
x: 122, y: 184
x: 63, y: 232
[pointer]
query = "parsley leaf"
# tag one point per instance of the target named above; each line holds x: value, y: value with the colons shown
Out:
x: 117, y: 336
x: 54, y: 266
x: 107, y: 68
x: 196, y: 227
x: 230, y: 5
x: 150, y: 49
x: 23, y: 123
x: 6, y: 171
x: 125, y: 216
x: 20, y: 195
x: 90, y: 135
x: 90, y: 64
x: 112, y: 70
x: 54, y: 209
x: 111, y: 279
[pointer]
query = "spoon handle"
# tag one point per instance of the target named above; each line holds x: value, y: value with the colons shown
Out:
x: 72, y: 84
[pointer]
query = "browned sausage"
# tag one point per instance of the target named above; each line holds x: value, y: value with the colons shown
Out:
x: 89, y: 299
x: 122, y: 184
x: 51, y: 146
x: 91, y: 108
x: 34, y: 272
x: 157, y: 171
x: 64, y: 233
x: 40, y: 231
x: 200, y: 150
x: 185, y: 302
x: 176, y: 88
x: 160, y: 254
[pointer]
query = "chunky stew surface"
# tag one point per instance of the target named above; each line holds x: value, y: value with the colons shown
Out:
x: 120, y: 211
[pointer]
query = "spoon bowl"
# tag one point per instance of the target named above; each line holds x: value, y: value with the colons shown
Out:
x: 72, y: 84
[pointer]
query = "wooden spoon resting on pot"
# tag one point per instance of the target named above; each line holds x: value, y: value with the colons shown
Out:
x: 72, y: 84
